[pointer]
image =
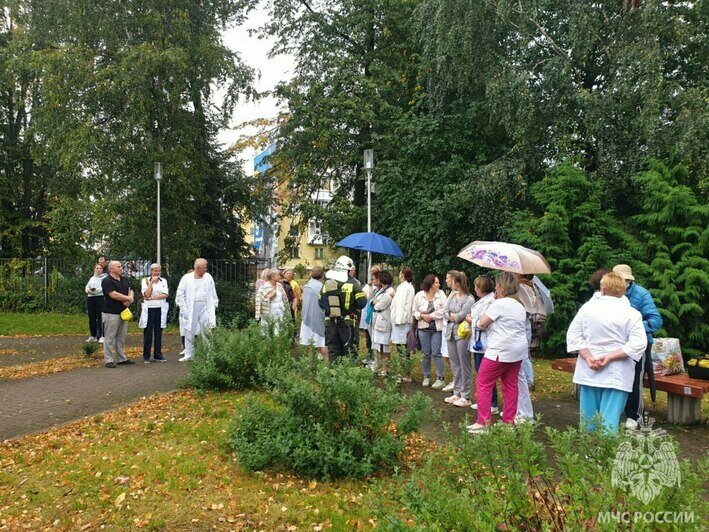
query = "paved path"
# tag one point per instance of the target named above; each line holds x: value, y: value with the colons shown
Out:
x: 19, y: 350
x: 31, y: 405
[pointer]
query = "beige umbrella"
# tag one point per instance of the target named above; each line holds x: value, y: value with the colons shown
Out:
x: 505, y: 257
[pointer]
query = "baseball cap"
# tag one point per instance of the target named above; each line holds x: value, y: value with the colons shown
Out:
x: 624, y: 271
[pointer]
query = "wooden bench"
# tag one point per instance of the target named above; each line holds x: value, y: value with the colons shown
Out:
x: 684, y: 394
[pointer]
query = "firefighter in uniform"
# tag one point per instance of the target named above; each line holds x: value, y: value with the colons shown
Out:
x: 341, y: 299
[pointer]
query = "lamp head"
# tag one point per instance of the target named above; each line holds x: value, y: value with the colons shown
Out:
x: 158, y: 172
x: 368, y: 159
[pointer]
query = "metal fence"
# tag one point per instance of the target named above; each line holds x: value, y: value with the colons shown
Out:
x: 57, y: 284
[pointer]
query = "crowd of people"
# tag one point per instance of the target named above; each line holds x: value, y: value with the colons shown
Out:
x: 110, y: 296
x: 486, y: 332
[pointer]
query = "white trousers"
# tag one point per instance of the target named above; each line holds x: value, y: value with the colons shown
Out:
x: 199, y: 322
x: 524, y: 400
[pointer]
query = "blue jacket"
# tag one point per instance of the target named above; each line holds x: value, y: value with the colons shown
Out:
x: 641, y: 300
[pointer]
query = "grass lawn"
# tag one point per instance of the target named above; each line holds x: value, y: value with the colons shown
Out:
x: 51, y: 324
x: 161, y: 463
x: 44, y: 323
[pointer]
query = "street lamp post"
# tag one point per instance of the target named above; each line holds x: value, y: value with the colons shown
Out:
x: 368, y: 167
x: 158, y: 177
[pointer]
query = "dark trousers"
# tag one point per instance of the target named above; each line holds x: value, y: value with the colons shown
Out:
x: 153, y: 328
x: 341, y: 339
x: 479, y: 360
x: 634, y: 404
x: 94, y: 307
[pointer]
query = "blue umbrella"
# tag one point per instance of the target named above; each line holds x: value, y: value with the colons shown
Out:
x: 371, y: 242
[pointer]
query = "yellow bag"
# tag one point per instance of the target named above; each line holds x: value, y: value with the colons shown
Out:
x: 464, y: 330
x: 126, y: 314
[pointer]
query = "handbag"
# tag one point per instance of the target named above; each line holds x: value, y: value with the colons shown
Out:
x: 478, y: 346
x: 413, y: 343
x: 126, y: 314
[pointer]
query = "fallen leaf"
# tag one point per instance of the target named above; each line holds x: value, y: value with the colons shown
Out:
x: 119, y: 500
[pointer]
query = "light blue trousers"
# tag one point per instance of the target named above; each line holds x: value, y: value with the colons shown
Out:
x: 609, y: 402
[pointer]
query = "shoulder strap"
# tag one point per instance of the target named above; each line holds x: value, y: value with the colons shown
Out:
x: 518, y: 301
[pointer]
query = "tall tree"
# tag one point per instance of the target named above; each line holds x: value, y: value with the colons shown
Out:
x: 351, y: 81
x: 607, y: 83
x: 26, y: 179
x: 122, y: 85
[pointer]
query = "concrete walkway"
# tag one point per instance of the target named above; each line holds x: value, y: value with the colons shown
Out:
x: 31, y: 405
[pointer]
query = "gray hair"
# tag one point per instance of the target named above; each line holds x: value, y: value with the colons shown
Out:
x: 199, y: 262
x: 155, y: 265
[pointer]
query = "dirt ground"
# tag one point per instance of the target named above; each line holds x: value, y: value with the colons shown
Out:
x: 558, y: 410
x: 558, y: 413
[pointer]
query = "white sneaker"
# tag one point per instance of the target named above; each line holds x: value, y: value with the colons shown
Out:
x: 100, y: 340
x: 475, y: 428
x: 452, y: 399
x: 90, y: 339
x: 631, y: 424
x: 448, y: 387
x: 181, y: 352
x: 493, y: 409
x: 426, y: 382
x: 185, y: 359
x: 438, y: 385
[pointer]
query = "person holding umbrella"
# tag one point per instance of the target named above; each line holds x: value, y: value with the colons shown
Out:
x: 506, y: 323
x: 641, y: 300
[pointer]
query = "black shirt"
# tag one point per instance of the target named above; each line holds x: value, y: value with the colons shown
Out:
x: 109, y: 284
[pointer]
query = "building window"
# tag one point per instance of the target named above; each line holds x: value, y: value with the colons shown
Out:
x: 315, y: 232
x: 294, y: 252
x: 319, y: 253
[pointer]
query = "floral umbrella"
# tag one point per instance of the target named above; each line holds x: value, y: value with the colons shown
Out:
x: 505, y: 257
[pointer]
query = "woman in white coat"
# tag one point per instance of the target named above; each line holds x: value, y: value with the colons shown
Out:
x: 401, y: 309
x: 608, y: 335
x: 197, y: 299
x: 381, y: 320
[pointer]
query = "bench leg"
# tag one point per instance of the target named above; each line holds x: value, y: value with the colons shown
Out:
x: 683, y: 410
x: 575, y: 390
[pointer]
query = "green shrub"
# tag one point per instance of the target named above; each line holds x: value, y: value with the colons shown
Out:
x: 239, y: 358
x: 507, y: 479
x: 326, y: 422
x: 89, y: 348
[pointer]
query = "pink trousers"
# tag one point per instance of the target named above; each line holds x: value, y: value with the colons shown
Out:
x: 490, y: 371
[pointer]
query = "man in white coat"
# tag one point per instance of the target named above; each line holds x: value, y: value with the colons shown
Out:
x: 197, y: 299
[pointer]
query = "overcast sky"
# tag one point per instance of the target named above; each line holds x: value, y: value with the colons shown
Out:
x: 254, y: 52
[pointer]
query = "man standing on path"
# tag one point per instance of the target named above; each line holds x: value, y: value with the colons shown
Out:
x: 117, y: 296
x: 641, y: 300
x: 197, y: 299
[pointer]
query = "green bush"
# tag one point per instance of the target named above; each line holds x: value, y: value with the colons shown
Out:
x: 506, y: 479
x: 325, y: 422
x: 239, y: 358
x: 89, y: 348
